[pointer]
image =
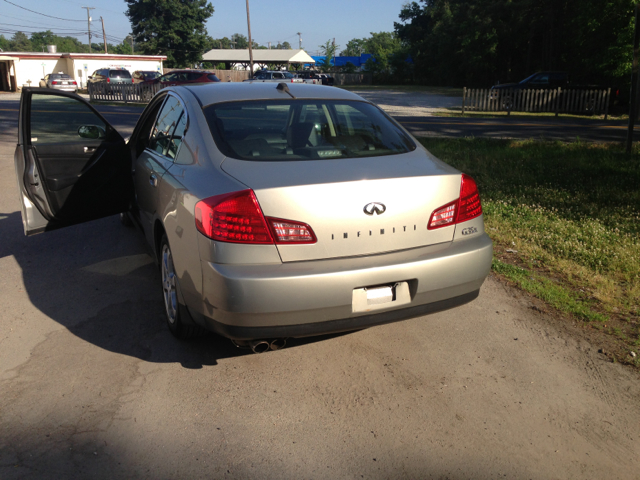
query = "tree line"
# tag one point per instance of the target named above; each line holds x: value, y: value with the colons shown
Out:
x: 476, y: 43
x: 38, y: 41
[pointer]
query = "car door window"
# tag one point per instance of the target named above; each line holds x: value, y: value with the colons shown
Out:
x: 165, y: 125
x: 62, y: 120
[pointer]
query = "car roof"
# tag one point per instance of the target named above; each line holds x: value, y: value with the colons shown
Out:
x: 238, y: 91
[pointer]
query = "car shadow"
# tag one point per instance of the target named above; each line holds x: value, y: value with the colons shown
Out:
x: 97, y: 280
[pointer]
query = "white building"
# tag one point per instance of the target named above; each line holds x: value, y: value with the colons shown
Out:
x: 23, y: 69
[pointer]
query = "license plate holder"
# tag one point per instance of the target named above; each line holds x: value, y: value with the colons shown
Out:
x: 376, y: 297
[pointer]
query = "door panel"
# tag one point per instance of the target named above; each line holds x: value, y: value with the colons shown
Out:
x: 73, y: 166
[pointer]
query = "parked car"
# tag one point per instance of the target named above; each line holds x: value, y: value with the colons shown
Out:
x: 140, y: 76
x: 111, y: 76
x: 269, y: 216
x: 315, y: 77
x: 550, y: 80
x: 274, y: 76
x: 59, y: 81
x: 185, y: 77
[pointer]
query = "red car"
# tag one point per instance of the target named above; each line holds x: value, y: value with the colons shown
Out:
x: 183, y: 77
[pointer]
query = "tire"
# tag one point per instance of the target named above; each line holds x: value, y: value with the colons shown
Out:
x: 172, y: 307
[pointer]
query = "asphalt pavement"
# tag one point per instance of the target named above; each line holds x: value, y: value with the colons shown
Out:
x: 124, y: 118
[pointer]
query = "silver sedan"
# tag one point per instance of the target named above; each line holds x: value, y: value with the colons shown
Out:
x: 59, y: 81
x: 273, y: 211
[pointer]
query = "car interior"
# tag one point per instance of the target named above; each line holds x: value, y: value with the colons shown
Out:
x: 308, y: 130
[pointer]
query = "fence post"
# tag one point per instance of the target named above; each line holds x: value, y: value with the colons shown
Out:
x: 464, y: 94
x: 558, y: 93
x: 606, y: 108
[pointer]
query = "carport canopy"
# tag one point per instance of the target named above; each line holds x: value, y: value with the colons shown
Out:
x: 260, y: 57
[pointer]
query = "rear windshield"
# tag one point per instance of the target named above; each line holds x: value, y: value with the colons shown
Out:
x: 119, y: 74
x: 59, y: 76
x: 151, y: 75
x: 277, y: 130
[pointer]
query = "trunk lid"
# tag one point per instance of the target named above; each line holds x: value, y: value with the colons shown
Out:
x: 331, y: 196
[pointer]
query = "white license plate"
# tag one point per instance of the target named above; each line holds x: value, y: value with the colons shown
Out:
x: 65, y: 83
x: 376, y: 296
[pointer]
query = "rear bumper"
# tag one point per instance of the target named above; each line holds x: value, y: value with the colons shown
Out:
x: 310, y: 298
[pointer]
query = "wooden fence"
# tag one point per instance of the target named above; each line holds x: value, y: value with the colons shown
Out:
x: 587, y: 101
x: 223, y: 75
x: 122, y: 92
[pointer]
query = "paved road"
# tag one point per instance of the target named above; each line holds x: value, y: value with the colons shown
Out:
x: 92, y: 385
x: 566, y: 129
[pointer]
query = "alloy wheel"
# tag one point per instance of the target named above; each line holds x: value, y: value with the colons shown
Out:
x: 169, y: 285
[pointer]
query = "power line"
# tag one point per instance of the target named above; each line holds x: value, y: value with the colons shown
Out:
x: 44, y: 15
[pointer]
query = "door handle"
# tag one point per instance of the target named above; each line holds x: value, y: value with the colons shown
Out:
x: 153, y: 180
x: 89, y: 149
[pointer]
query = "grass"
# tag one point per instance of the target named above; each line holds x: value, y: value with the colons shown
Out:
x: 457, y: 112
x: 565, y: 221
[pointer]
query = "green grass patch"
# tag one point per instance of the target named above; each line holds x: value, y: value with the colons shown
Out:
x: 565, y: 221
x: 456, y: 112
x: 556, y: 295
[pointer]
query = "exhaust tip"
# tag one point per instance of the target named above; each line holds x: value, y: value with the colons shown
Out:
x: 260, y: 346
x: 278, y: 343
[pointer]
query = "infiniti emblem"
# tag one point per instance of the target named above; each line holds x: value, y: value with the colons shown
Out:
x: 374, y: 208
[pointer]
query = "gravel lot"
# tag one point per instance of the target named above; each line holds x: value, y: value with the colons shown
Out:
x: 399, y: 103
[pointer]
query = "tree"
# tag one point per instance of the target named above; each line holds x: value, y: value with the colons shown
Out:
x: 241, y: 41
x: 175, y: 28
x: 328, y: 49
x: 382, y: 46
x: 354, y: 48
x: 456, y: 42
x: 283, y: 46
x: 20, y: 43
x: 222, y: 43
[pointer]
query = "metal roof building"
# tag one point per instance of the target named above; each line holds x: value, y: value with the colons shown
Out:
x: 261, y: 57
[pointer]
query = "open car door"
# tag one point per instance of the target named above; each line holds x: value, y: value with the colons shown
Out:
x: 71, y: 165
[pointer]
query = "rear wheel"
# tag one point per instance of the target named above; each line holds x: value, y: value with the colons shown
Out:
x: 170, y: 293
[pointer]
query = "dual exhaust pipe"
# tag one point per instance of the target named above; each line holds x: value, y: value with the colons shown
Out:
x: 263, y: 345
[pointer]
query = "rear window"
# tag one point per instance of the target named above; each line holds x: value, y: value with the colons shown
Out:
x: 119, y: 74
x: 213, y: 77
x: 278, y: 130
x: 60, y: 76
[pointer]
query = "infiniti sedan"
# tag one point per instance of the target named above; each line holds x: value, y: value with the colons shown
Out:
x: 272, y: 210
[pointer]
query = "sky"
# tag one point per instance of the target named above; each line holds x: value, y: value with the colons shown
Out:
x: 271, y: 20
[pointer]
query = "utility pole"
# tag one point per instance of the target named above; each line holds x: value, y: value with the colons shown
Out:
x: 104, y: 36
x: 250, y: 41
x: 89, y: 24
x: 299, y: 40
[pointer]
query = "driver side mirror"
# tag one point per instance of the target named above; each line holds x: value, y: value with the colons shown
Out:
x: 92, y: 132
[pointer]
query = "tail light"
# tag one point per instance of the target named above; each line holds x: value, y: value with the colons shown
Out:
x: 237, y: 218
x: 55, y: 82
x: 466, y: 207
x: 74, y: 82
x: 108, y: 80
